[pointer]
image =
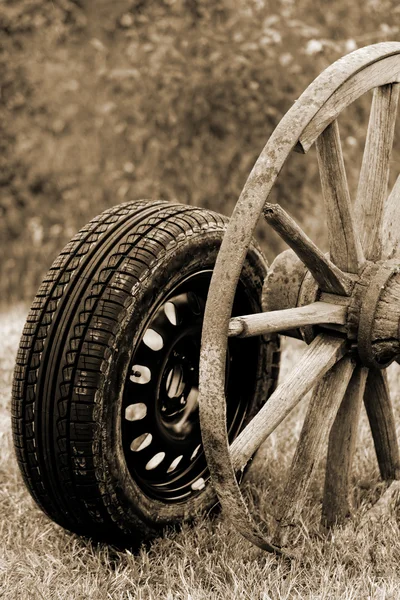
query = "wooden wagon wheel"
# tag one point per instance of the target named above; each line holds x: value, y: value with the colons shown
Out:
x: 355, y: 291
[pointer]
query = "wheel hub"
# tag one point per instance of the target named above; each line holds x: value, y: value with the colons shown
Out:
x: 378, y: 313
x: 160, y: 416
x: 178, y: 389
x: 373, y: 308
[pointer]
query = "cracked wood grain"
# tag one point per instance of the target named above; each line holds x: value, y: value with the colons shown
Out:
x: 337, y: 505
x: 328, y: 276
x: 391, y: 224
x: 317, y: 313
x: 344, y: 244
x: 324, y: 404
x: 317, y: 359
x: 374, y: 175
x: 381, y: 418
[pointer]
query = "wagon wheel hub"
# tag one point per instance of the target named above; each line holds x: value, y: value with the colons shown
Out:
x: 374, y: 314
x: 371, y: 313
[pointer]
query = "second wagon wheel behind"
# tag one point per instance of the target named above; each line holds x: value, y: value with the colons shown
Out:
x: 355, y: 291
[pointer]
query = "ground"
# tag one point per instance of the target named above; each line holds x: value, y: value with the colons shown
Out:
x: 208, y: 560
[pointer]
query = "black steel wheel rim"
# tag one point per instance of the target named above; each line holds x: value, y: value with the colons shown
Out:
x: 159, y: 419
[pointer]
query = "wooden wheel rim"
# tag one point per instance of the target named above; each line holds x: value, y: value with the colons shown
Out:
x: 318, y: 106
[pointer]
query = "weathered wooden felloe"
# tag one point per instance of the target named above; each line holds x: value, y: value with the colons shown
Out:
x: 345, y: 306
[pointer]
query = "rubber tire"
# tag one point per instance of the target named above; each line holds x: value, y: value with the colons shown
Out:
x: 74, y: 354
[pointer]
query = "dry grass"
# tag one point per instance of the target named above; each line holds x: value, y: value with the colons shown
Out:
x: 208, y: 560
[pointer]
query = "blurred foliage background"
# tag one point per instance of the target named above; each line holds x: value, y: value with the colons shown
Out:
x: 104, y: 101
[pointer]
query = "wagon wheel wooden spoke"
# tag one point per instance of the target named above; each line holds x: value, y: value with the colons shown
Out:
x: 336, y: 504
x: 319, y: 357
x: 344, y: 244
x: 276, y: 321
x: 324, y: 404
x: 381, y: 419
x: 374, y: 175
x: 328, y: 276
x: 391, y: 224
